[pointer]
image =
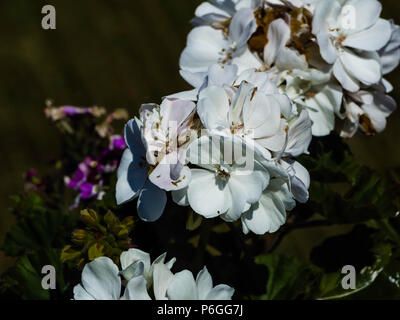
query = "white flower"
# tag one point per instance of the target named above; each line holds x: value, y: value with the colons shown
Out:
x: 229, y: 182
x: 299, y: 179
x: 269, y: 214
x: 264, y: 120
x: 132, y: 256
x: 157, y: 275
x: 314, y: 91
x: 252, y: 115
x: 166, y: 133
x: 390, y: 54
x: 218, y: 12
x: 184, y: 287
x: 259, y: 114
x: 349, y: 34
x: 289, y: 182
x: 155, y: 158
x: 367, y: 110
x: 207, y: 46
x: 101, y: 281
x: 133, y: 179
x: 276, y: 52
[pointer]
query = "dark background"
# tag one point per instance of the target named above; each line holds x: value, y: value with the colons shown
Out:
x: 112, y: 53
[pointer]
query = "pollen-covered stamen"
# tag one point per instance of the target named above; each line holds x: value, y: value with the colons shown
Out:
x: 222, y: 173
x: 226, y: 54
x: 339, y: 40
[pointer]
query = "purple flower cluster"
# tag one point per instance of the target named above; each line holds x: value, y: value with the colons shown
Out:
x: 90, y: 176
x: 64, y: 112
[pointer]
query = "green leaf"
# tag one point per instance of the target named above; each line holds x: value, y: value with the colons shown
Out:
x: 288, y: 277
x: 29, y: 280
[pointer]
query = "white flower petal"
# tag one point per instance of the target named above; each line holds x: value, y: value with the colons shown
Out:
x: 133, y: 255
x: 300, y: 183
x: 276, y: 142
x: 206, y: 195
x: 378, y: 111
x: 213, y: 108
x: 180, y: 197
x: 239, y: 197
x: 262, y: 114
x: 322, y: 108
x: 151, y: 202
x: 242, y: 26
x: 299, y: 135
x: 174, y: 114
x: 236, y: 110
x: 371, y: 39
x: 133, y: 137
x: 205, y: 152
x: 289, y: 59
x: 130, y: 179
x: 221, y: 292
x: 204, y: 284
x: 218, y: 75
x: 101, y: 280
x: 278, y: 36
x: 136, y: 289
x: 162, y: 278
x: 208, y: 8
x: 365, y: 67
x: 346, y: 80
x: 163, y: 175
x: 204, y: 47
x: 367, y: 13
x: 322, y: 11
x: 253, y: 183
x: 268, y: 215
x: 194, y: 79
x: 134, y: 270
x: 247, y: 60
x: 81, y: 294
x: 328, y: 51
x: 182, y: 287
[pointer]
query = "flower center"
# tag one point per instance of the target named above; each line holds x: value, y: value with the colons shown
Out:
x: 223, y: 173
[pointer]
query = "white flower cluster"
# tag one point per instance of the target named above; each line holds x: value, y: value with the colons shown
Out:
x: 101, y: 280
x: 267, y: 75
x: 230, y: 154
x: 328, y: 56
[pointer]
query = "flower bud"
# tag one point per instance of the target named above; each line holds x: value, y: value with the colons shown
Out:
x: 90, y: 217
x: 79, y: 236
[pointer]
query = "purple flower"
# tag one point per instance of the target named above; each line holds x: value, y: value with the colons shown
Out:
x: 87, y: 179
x: 60, y: 113
x: 118, y: 142
x: 91, y: 174
x: 88, y: 190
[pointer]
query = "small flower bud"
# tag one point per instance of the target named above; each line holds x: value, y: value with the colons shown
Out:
x: 90, y: 217
x: 79, y: 236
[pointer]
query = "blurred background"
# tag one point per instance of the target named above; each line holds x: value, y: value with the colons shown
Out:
x: 113, y: 53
